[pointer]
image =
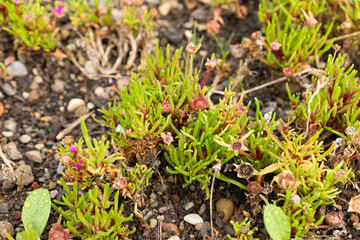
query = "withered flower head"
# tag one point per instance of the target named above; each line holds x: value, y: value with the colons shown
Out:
x: 286, y: 180
x: 120, y: 183
x: 267, y: 188
x: 333, y: 219
x: 167, y: 138
x: 254, y: 187
x: 58, y: 232
x: 65, y: 159
x: 354, y: 204
x: 68, y: 140
x: 245, y: 170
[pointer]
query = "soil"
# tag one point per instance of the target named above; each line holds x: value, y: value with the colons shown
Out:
x: 45, y: 117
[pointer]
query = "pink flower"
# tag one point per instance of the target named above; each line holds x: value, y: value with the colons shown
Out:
x: 78, y: 166
x: 120, y: 183
x: 59, y: 10
x: 275, y: 45
x: 126, y: 81
x: 211, y: 64
x: 17, y: 1
x: 139, y: 16
x: 73, y: 149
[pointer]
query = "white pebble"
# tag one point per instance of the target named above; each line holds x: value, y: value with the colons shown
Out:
x: 193, y: 219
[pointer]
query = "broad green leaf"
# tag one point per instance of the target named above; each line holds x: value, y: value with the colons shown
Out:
x: 36, y: 211
x: 277, y: 223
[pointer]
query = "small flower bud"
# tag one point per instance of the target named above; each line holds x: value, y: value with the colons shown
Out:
x: 286, y: 180
x: 211, y: 64
x: 167, y: 138
x: 295, y: 199
x: 73, y: 149
x: 217, y: 167
x: 78, y: 166
x: 339, y: 142
x: 199, y: 103
x: 120, y: 183
x: 58, y: 232
x: 350, y: 130
x: 213, y: 27
x: 333, y: 219
x: 288, y: 72
x: 254, y: 187
x: 275, y: 45
x: 166, y: 107
x: 188, y: 35
x: 310, y: 21
x: 191, y: 48
x: 58, y: 11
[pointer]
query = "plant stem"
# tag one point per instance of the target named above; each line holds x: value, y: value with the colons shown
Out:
x: 187, y: 64
x: 206, y: 78
x: 211, y: 210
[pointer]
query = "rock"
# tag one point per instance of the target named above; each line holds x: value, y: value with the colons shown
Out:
x: 71, y: 47
x: 38, y: 79
x: 53, y: 193
x: 4, y: 208
x: 163, y: 209
x: 153, y: 223
x: 89, y: 68
x: 155, y: 2
x: 17, y: 69
x: 117, y: 15
x: 202, y: 209
x: 10, y: 125
x: 174, y: 238
x: 148, y: 215
x: 188, y: 205
x: 228, y: 228
x: 58, y: 86
x: 24, y: 138
x: 7, y: 134
x: 52, y: 185
x: 199, y: 226
x: 5, y: 226
x: 8, y: 89
x: 226, y: 206
x: 64, y: 34
x: 81, y: 111
x: 174, y: 35
x: 33, y: 97
x: 165, y: 8
x: 90, y: 105
x: 193, y: 219
x: 12, y: 151
x: 34, y: 156
x: 39, y: 146
x: 24, y: 175
x: 34, y: 85
x: 1, y: 95
x: 100, y: 92
x: 170, y: 226
x: 74, y: 104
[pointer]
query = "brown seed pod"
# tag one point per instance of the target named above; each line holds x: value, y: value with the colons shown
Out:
x: 333, y: 219
x: 254, y: 187
x: 286, y: 180
x: 245, y: 170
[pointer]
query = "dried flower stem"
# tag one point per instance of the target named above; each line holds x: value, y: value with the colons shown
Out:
x: 8, y: 162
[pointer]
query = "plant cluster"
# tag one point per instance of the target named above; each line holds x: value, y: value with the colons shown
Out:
x: 111, y: 41
x: 243, y: 230
x: 93, y: 215
x: 297, y: 32
x: 31, y: 24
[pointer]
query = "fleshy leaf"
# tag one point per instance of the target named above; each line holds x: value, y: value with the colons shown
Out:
x: 277, y: 223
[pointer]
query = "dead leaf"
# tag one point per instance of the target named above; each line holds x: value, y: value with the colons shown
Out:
x: 9, y: 60
x: 354, y: 204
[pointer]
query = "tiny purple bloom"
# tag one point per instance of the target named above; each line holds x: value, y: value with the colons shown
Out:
x: 17, y: 1
x: 73, y: 149
x: 126, y: 81
x: 59, y: 10
x: 78, y: 166
x: 139, y: 16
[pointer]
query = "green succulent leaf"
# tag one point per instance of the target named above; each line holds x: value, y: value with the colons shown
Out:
x: 276, y: 222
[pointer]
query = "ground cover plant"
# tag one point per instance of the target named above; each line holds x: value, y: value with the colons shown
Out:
x: 120, y: 127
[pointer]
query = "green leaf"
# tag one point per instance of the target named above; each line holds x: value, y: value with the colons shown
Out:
x: 276, y: 222
x: 36, y: 211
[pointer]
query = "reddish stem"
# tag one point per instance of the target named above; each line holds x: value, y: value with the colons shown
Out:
x: 206, y: 78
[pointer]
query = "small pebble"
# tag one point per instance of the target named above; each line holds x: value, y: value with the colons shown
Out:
x: 228, y: 228
x: 17, y: 69
x: 90, y: 105
x: 52, y: 185
x: 148, y: 215
x: 39, y: 146
x: 12, y: 151
x: 53, y: 193
x: 202, y: 208
x: 153, y: 223
x: 226, y: 206
x: 163, y: 209
x: 174, y: 238
x: 10, y: 125
x: 100, y: 92
x: 193, y: 219
x: 24, y: 138
x: 188, y: 206
x: 58, y: 86
x: 34, y: 156
x: 199, y: 226
x: 33, y: 97
x: 7, y: 134
x: 153, y: 195
x: 8, y: 89
x: 5, y: 226
x: 165, y: 8
x: 354, y: 218
x: 89, y: 68
x: 74, y: 104
x: 356, y: 226
x: 24, y: 175
x: 4, y: 208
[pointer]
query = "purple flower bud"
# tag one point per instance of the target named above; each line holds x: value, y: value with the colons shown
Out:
x: 78, y: 166
x: 59, y: 10
x: 73, y: 149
